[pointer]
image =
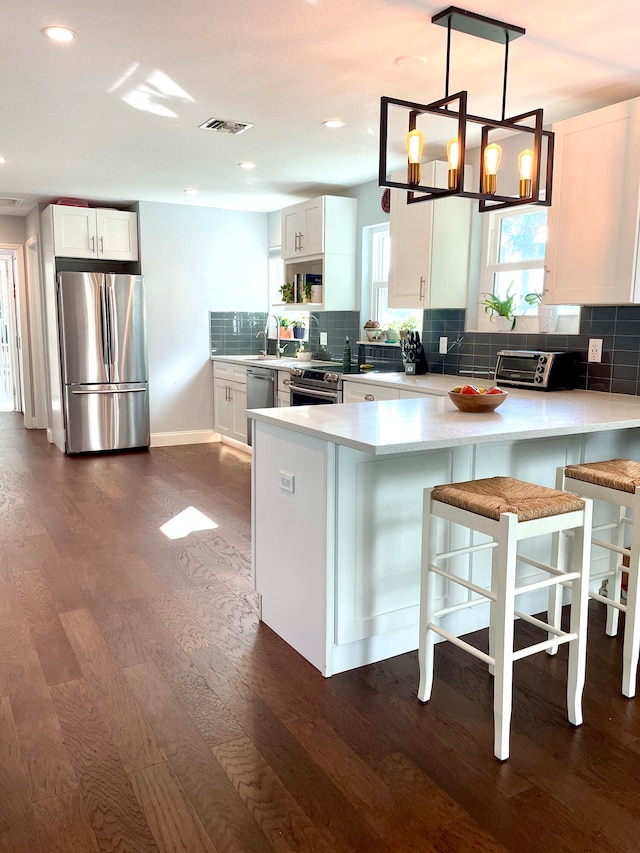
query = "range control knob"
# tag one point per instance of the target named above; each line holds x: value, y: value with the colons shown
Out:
x: 332, y: 377
x: 296, y: 371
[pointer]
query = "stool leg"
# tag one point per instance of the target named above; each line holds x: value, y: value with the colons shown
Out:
x: 580, y: 562
x: 558, y: 558
x: 614, y: 583
x: 503, y: 635
x: 631, y: 646
x: 426, y: 640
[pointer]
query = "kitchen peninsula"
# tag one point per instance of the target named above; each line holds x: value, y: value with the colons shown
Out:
x: 337, y: 505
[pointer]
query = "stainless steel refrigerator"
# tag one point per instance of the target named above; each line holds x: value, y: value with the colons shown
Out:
x: 103, y: 357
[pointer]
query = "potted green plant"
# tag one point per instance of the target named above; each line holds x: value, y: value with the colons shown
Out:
x: 298, y: 327
x: 547, y: 314
x: 408, y: 325
x: 307, y: 290
x: 285, y: 329
x: 392, y: 333
x: 286, y: 292
x: 501, y: 311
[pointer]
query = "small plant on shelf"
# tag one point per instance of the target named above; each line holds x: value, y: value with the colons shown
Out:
x: 307, y: 290
x: 298, y: 328
x: 285, y: 328
x: 286, y: 292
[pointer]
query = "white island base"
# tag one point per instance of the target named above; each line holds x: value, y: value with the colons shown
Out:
x: 337, y: 559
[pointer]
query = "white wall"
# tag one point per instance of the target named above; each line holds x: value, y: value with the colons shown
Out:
x: 12, y: 229
x: 194, y: 260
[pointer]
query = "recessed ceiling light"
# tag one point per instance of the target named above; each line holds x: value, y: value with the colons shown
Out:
x: 333, y: 122
x: 191, y: 191
x: 247, y: 164
x: 59, y: 33
x: 2, y: 160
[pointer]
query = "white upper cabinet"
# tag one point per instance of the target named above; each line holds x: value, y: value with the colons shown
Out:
x: 325, y: 224
x: 429, y: 247
x: 303, y: 229
x: 87, y: 232
x: 593, y: 221
x: 319, y: 239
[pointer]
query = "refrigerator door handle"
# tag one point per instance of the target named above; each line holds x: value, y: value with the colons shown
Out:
x: 108, y: 391
x: 104, y: 322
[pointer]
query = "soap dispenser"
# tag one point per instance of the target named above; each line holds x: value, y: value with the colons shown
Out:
x: 346, y: 356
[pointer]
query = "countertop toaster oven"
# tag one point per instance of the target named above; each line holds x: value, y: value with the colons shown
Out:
x: 544, y: 371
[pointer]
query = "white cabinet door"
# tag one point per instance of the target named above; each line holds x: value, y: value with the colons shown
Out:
x: 359, y: 392
x: 74, y: 232
x: 303, y: 229
x: 117, y: 232
x: 593, y: 220
x: 222, y: 407
x: 429, y: 248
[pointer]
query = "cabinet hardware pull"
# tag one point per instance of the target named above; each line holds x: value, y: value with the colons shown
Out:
x: 93, y: 243
x: 369, y: 397
x: 286, y: 382
x: 102, y: 245
x: 421, y: 296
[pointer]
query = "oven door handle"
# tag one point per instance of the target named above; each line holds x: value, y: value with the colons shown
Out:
x: 313, y: 392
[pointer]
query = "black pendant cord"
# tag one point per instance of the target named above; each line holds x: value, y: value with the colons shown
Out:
x: 446, y: 80
x: 504, y: 80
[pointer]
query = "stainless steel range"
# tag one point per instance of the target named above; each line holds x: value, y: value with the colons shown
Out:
x: 321, y: 382
x: 317, y: 384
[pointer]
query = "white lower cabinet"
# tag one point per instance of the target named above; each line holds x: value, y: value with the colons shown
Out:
x: 230, y: 400
x: 361, y: 392
x: 283, y: 395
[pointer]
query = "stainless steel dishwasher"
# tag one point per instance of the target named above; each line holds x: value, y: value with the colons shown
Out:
x: 261, y: 391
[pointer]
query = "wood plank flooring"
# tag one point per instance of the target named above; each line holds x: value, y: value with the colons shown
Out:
x: 143, y: 707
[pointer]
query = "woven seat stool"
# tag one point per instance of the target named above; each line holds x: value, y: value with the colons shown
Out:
x: 617, y: 482
x: 508, y: 511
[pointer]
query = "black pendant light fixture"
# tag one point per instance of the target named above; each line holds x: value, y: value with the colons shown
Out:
x: 534, y: 163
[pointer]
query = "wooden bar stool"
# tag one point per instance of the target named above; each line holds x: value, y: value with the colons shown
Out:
x: 508, y: 511
x: 617, y: 482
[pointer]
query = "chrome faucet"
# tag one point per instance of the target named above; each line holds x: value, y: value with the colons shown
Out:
x: 266, y: 333
x: 266, y: 346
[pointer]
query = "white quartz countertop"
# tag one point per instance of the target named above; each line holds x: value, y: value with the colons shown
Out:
x: 433, y: 422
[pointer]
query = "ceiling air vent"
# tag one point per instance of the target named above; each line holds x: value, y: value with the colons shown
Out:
x: 11, y: 202
x: 221, y: 125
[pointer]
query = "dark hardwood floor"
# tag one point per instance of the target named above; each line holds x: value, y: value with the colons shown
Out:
x: 143, y: 707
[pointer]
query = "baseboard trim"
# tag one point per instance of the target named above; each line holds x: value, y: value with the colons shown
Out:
x: 170, y: 439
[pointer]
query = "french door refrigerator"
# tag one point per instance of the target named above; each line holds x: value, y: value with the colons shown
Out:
x: 103, y: 358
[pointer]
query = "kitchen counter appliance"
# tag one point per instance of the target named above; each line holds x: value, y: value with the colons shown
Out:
x: 103, y: 361
x: 261, y: 394
x: 543, y: 371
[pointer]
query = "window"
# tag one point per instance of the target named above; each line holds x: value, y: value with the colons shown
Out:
x: 515, y: 243
x: 377, y: 256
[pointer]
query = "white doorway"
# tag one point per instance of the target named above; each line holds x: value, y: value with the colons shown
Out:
x: 10, y: 378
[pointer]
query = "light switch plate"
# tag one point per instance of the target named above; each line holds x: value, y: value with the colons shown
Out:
x: 287, y: 482
x: 323, y: 339
x: 444, y: 343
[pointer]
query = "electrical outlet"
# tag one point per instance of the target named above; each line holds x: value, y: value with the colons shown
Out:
x: 444, y: 343
x: 595, y: 349
x: 287, y: 482
x: 323, y: 339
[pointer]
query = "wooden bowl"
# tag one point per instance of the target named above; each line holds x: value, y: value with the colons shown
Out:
x: 477, y: 402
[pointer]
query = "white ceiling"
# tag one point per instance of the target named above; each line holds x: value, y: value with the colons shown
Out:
x: 285, y: 66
